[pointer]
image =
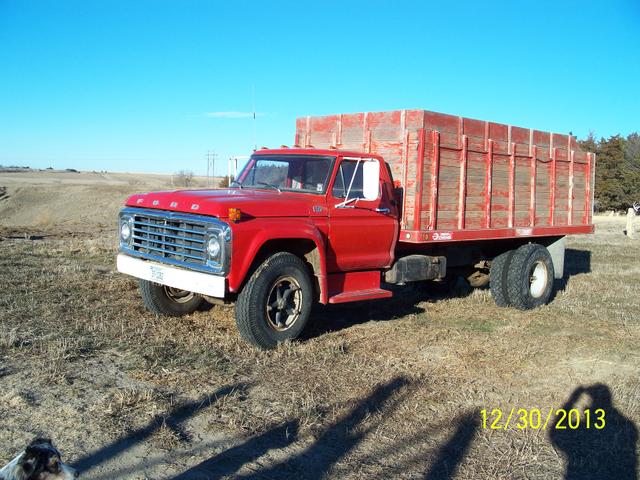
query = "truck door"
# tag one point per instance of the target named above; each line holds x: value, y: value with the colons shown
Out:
x: 363, y: 225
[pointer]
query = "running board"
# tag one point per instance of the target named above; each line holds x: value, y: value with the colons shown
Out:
x: 355, y: 286
x: 360, y: 295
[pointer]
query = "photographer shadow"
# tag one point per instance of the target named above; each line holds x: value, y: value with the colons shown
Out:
x: 603, y: 448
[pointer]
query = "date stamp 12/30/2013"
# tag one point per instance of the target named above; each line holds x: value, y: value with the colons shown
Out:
x: 543, y: 419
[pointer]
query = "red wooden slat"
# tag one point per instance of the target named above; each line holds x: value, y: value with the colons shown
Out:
x: 512, y: 183
x: 587, y: 179
x: 487, y: 184
x: 552, y: 185
x: 366, y: 140
x: 570, y: 195
x: 405, y: 163
x: 435, y: 168
x: 417, y: 208
x: 462, y: 188
x: 534, y: 172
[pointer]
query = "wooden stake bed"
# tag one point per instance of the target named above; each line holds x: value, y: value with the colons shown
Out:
x: 465, y: 179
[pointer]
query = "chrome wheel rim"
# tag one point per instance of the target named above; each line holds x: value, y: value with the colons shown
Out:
x: 177, y: 295
x: 538, y: 278
x: 284, y: 304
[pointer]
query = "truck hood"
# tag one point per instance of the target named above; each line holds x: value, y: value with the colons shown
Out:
x: 252, y: 203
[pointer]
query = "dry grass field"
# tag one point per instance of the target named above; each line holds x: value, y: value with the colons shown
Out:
x: 387, y: 389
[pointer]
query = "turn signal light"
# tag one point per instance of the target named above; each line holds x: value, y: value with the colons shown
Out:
x: 235, y: 215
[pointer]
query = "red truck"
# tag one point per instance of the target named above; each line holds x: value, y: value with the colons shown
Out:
x: 363, y: 201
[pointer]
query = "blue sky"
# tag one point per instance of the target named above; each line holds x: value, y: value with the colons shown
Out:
x: 143, y: 86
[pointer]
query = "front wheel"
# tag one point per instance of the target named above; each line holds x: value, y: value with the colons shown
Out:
x: 275, y: 304
x: 167, y: 301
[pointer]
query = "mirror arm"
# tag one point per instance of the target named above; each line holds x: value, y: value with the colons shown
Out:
x: 345, y: 203
x: 355, y: 171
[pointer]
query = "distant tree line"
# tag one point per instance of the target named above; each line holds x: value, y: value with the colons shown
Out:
x: 183, y: 178
x: 13, y: 167
x: 617, y: 170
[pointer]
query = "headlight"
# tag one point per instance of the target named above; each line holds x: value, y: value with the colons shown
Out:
x: 126, y: 231
x: 213, y: 247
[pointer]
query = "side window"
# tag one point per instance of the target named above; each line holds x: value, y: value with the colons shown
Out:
x: 343, y: 179
x: 316, y: 173
x: 310, y: 174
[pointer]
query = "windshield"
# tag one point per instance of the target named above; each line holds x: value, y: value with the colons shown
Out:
x: 296, y: 173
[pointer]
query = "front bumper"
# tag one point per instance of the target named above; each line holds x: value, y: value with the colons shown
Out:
x: 203, y: 283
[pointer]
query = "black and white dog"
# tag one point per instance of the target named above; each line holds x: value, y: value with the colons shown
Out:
x: 39, y: 461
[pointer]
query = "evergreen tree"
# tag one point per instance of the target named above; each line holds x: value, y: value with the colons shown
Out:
x: 617, y: 170
x: 632, y: 151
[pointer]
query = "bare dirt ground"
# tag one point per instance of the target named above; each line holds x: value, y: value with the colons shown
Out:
x: 389, y: 389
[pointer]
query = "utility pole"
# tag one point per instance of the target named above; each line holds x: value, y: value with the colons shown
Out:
x: 207, y: 168
x: 211, y: 167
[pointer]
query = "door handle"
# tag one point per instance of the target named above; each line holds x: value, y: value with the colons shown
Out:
x: 383, y: 210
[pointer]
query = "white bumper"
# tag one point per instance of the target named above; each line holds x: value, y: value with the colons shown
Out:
x: 203, y: 283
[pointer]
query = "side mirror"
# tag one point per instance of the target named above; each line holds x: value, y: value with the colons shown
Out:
x: 370, y: 179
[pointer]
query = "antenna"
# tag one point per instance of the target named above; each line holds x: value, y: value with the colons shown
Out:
x: 253, y: 109
x: 211, y: 167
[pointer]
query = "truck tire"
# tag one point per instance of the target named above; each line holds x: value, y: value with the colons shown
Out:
x: 275, y: 304
x: 167, y: 301
x: 530, y: 277
x: 498, y: 278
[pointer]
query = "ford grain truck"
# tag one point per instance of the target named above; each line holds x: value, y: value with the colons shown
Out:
x: 362, y: 202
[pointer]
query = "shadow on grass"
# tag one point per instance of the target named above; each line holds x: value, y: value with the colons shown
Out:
x: 405, y: 301
x: 575, y: 263
x: 341, y: 440
x: 600, y: 446
x: 315, y: 460
x: 311, y: 461
x: 442, y: 463
x: 451, y: 454
x: 231, y: 460
x: 173, y: 420
x: 331, y: 318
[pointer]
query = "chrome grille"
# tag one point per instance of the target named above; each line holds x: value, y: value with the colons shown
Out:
x: 170, y: 238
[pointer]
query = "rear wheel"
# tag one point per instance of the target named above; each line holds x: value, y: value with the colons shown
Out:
x: 530, y: 277
x: 498, y: 278
x: 275, y: 304
x: 168, y: 301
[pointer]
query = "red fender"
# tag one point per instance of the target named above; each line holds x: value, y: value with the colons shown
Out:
x: 249, y: 237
